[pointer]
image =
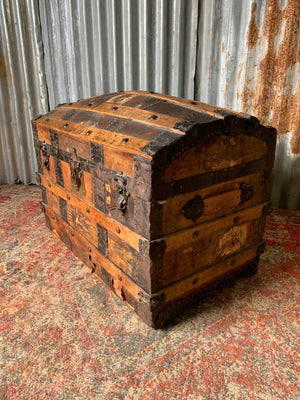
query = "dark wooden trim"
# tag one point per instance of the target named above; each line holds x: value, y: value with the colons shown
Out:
x: 175, y: 188
x: 165, y: 316
x: 102, y: 239
x: 63, y: 208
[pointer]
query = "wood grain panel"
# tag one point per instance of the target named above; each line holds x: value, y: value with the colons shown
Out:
x: 122, y: 255
x: 118, y: 161
x: 87, y: 253
x: 111, y: 225
x: 143, y: 116
x: 107, y: 138
x: 216, y: 154
x: 43, y: 133
x: 220, y: 199
x: 207, y: 250
x: 192, y: 104
x: 203, y: 278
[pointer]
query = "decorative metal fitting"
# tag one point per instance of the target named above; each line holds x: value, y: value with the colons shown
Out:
x: 121, y: 183
x: 193, y: 209
x: 76, y: 173
x: 45, y: 155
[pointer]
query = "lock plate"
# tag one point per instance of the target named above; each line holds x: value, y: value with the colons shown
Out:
x: 121, y: 186
x: 77, y: 176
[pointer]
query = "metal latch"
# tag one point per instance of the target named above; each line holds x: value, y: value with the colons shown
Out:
x: 45, y: 155
x: 76, y: 173
x: 121, y: 183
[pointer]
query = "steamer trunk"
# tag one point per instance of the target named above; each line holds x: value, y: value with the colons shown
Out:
x: 160, y: 197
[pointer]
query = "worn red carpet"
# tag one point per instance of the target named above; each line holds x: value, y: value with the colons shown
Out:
x: 65, y: 336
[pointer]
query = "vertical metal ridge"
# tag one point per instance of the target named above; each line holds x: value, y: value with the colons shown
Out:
x: 23, y: 93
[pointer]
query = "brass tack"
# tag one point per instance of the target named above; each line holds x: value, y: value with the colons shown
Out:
x: 196, y: 234
x: 125, y: 140
x: 68, y: 197
x: 114, y: 108
x: 72, y: 233
x: 88, y: 133
x: 152, y: 118
x: 195, y: 281
x: 49, y: 184
x: 90, y: 249
x: 118, y: 229
x: 66, y: 125
x: 53, y: 217
x: 119, y: 277
x: 87, y: 210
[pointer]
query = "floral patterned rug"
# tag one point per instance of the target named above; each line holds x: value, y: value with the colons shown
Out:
x: 64, y: 335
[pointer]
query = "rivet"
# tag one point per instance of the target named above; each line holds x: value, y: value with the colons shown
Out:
x: 125, y: 140
x: 152, y: 118
x: 195, y: 281
x: 196, y: 234
x: 90, y: 105
x: 88, y: 133
x: 118, y: 229
x: 90, y: 249
x: 232, y: 262
x: 49, y: 184
x: 87, y: 210
x: 70, y: 104
x: 193, y: 102
x: 47, y: 119
x: 68, y: 197
x: 72, y: 233
x: 114, y: 108
x: 53, y: 217
x: 236, y: 220
x: 66, y: 125
x: 119, y: 277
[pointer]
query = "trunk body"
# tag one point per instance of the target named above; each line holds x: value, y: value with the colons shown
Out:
x: 160, y: 197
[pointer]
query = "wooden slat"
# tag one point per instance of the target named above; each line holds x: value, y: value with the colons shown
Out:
x: 190, y: 257
x: 203, y: 278
x: 87, y: 253
x: 143, y: 116
x: 120, y: 141
x: 205, y: 229
x: 118, y: 161
x: 216, y: 154
x: 192, y: 104
x: 125, y: 234
x: 219, y: 200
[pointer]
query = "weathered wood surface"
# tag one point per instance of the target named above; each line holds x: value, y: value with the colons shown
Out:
x: 159, y: 196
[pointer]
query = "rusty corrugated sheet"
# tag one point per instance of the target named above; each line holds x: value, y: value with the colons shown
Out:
x: 23, y: 92
x: 248, y: 60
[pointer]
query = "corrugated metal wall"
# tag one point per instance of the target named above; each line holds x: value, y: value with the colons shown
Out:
x: 23, y: 92
x: 232, y: 53
x: 94, y: 47
x: 248, y: 60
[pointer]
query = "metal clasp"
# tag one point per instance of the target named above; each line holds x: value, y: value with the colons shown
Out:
x: 121, y: 183
x: 45, y: 155
x: 76, y: 173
